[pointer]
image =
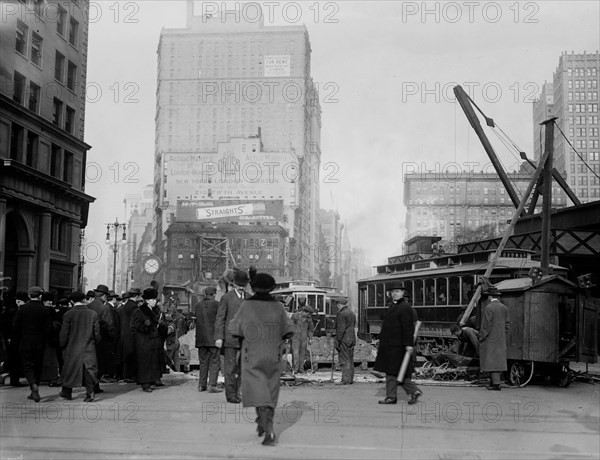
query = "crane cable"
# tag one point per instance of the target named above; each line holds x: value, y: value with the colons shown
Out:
x: 575, y: 150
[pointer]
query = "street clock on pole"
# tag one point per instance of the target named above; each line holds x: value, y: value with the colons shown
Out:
x: 152, y: 265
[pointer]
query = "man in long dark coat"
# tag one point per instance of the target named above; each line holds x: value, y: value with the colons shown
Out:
x: 112, y: 302
x: 149, y: 350
x: 105, y: 348
x: 492, y: 338
x: 79, y: 334
x: 262, y: 324
x: 228, y: 307
x: 14, y: 364
x: 395, y: 339
x: 126, y: 349
x: 31, y: 329
x: 345, y: 340
x: 208, y: 353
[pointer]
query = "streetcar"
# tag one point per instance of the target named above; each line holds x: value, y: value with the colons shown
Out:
x: 439, y: 286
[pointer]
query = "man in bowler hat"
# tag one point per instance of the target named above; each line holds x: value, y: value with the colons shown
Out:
x: 105, y: 348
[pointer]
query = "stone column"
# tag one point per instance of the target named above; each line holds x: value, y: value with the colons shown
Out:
x: 43, y: 250
x: 2, y: 234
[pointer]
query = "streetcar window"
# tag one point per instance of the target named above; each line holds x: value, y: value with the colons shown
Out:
x: 454, y: 290
x: 418, y: 289
x: 441, y: 294
x: 371, y: 295
x: 429, y: 291
x: 380, y: 302
x: 409, y: 291
x: 320, y: 300
x: 468, y: 282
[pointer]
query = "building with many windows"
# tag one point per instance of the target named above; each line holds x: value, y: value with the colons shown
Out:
x: 454, y: 206
x: 225, y: 84
x: 43, y: 205
x: 574, y: 100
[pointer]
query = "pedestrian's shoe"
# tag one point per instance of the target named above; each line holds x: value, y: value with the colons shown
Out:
x: 269, y: 439
x: 214, y: 389
x: 55, y: 383
x: 260, y: 431
x: 494, y: 387
x: 234, y: 400
x: 201, y: 388
x: 89, y: 397
x: 35, y: 395
x: 414, y: 397
x: 97, y: 389
x: 147, y: 389
x: 65, y: 395
x: 158, y: 383
x: 388, y: 401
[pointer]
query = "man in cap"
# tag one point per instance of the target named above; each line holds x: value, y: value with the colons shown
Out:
x: 31, y: 329
x: 79, y: 334
x: 395, y: 340
x: 208, y: 353
x: 126, y: 351
x: 303, y: 323
x: 345, y: 340
x: 228, y: 307
x: 492, y: 337
x: 105, y: 348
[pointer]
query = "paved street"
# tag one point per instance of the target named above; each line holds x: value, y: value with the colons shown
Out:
x: 316, y: 420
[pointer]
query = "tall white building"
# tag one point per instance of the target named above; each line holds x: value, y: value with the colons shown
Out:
x: 222, y: 78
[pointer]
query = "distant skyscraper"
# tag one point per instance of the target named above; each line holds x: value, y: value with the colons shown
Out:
x: 222, y: 78
x: 575, y: 103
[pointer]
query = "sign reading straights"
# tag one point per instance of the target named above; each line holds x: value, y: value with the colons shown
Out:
x: 225, y: 211
x: 277, y: 65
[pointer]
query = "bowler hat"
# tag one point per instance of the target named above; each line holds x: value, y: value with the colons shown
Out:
x: 240, y: 278
x: 210, y: 290
x: 125, y: 295
x: 150, y: 293
x: 90, y: 293
x: 262, y: 283
x: 396, y: 285
x: 135, y: 291
x: 103, y: 289
x: 112, y: 294
x: 492, y: 290
x: 77, y: 296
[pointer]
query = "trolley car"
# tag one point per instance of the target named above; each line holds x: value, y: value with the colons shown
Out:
x: 440, y: 287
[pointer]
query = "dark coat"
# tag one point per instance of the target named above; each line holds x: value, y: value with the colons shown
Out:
x: 492, y: 337
x: 206, y: 315
x: 126, y: 347
x: 79, y: 334
x: 397, y: 333
x: 32, y: 326
x: 228, y: 307
x: 148, y: 344
x: 263, y: 325
x: 105, y: 349
x: 345, y: 323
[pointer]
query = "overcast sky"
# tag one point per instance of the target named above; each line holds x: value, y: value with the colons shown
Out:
x: 386, y: 72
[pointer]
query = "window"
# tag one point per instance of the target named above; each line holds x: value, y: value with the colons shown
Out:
x: 16, y: 142
x: 71, y: 76
x: 54, y: 160
x: 61, y: 18
x: 37, y: 7
x: 21, y: 45
x: 73, y: 31
x: 59, y: 67
x: 69, y: 120
x: 57, y: 112
x: 19, y: 88
x: 32, y: 149
x: 67, y: 175
x: 57, y: 234
x: 36, y: 49
x: 34, y: 97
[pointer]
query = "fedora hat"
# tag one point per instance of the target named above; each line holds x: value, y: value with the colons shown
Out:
x: 240, y: 278
x: 103, y: 289
x: 396, y: 285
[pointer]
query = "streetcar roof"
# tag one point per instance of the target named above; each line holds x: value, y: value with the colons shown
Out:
x: 474, y: 268
x: 297, y: 289
x: 523, y: 284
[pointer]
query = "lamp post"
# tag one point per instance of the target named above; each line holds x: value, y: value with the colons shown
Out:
x: 116, y: 225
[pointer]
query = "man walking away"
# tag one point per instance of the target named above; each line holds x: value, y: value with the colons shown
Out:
x: 395, y: 339
x: 79, y: 334
x: 208, y: 354
x: 345, y: 340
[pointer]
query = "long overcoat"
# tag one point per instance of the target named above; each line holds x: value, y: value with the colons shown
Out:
x: 206, y: 315
x: 397, y: 332
x: 126, y: 348
x: 492, y: 337
x: 149, y: 352
x: 79, y: 334
x: 32, y: 326
x: 105, y: 350
x: 228, y: 307
x: 263, y: 325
